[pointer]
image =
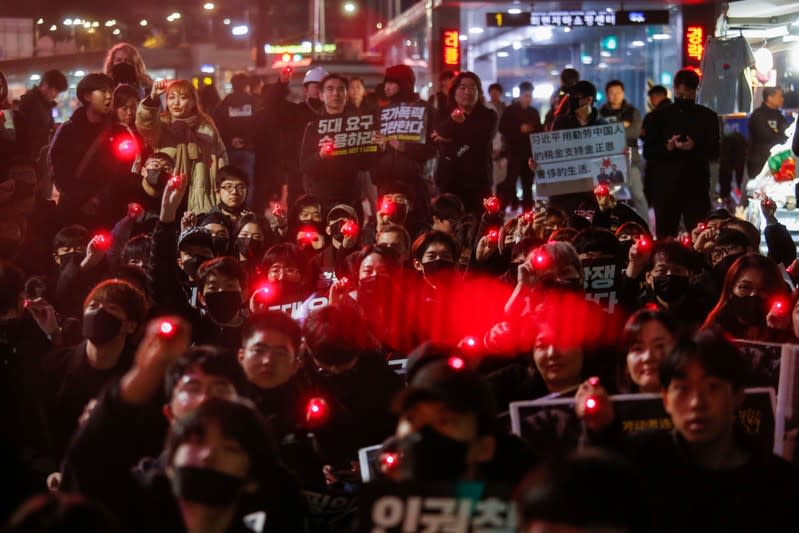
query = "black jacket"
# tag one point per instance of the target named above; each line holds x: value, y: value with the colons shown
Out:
x: 465, y: 159
x: 513, y: 117
x: 37, y: 113
x: 172, y: 295
x: 405, y: 167
x: 360, y: 407
x: 105, y: 176
x: 291, y: 119
x: 334, y: 180
x: 69, y: 383
x: 766, y: 129
x: 101, y: 461
x: 235, y: 117
x: 757, y: 496
x: 687, y: 170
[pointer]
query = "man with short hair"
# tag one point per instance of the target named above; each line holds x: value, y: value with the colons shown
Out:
x: 619, y: 110
x: 519, y: 121
x: 89, y: 171
x: 234, y: 193
x: 36, y: 108
x: 700, y: 473
x: 681, y: 140
x: 766, y: 129
x: 397, y: 238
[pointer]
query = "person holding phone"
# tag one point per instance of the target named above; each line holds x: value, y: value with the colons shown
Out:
x: 681, y: 140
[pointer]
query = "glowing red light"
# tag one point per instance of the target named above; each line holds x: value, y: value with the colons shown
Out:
x: 456, y: 363
x: 174, y: 182
x: 492, y: 205
x: 350, y: 229
x: 344, y: 281
x: 789, y: 269
x: 686, y: 241
x: 493, y: 235
x: 328, y: 148
x: 779, y: 306
x: 167, y: 328
x: 652, y: 306
x: 316, y: 410
x: 263, y: 293
x: 591, y: 405
x: 702, y: 226
x: 540, y: 260
x: 594, y: 381
x: 390, y: 459
x: 102, y: 241
x: 529, y: 216
x: 601, y: 190
x: 126, y: 148
x: 644, y: 244
x: 471, y: 342
x: 387, y: 207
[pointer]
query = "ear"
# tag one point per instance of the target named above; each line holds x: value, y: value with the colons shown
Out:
x: 240, y: 356
x: 180, y: 262
x: 167, y: 412
x: 417, y: 265
x: 57, y: 259
x: 649, y: 278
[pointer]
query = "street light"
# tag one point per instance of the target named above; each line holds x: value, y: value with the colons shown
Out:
x: 143, y: 22
x: 241, y: 30
x: 209, y: 6
x: 350, y: 8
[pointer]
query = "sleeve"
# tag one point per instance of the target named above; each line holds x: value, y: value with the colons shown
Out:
x: 634, y: 131
x: 163, y: 272
x: 310, y: 161
x: 713, y: 149
x: 119, y: 236
x: 506, y: 124
x: 654, y: 143
x: 220, y: 120
x: 148, y: 121
x: 102, y: 453
x: 781, y: 247
x: 62, y: 161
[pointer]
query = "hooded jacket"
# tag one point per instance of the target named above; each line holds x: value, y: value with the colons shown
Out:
x: 626, y: 113
x: 36, y: 112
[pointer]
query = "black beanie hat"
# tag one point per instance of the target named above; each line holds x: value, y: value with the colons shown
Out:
x: 403, y: 76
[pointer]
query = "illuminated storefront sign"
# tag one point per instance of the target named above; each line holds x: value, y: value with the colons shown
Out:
x: 451, y: 51
x: 573, y: 19
x: 302, y: 48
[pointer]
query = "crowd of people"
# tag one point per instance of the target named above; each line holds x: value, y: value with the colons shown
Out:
x: 206, y: 313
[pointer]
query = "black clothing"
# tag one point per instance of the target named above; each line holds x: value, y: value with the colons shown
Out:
x: 626, y: 113
x: 69, y: 382
x: 22, y: 347
x: 98, y: 194
x: 732, y: 160
x: 404, y: 170
x: 650, y: 170
x: 519, y: 152
x: 766, y: 129
x: 335, y: 180
x: 464, y: 164
x: 359, y: 407
x: 759, y: 495
x: 37, y: 113
x: 781, y: 247
x: 681, y: 186
x: 439, y: 103
x: 235, y: 117
x: 102, y: 457
x: 616, y: 216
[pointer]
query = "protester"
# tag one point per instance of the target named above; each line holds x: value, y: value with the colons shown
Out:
x: 36, y: 108
x: 124, y: 53
x: 188, y: 135
x: 519, y: 120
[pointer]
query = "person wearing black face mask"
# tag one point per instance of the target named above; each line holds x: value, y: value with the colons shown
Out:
x: 663, y: 274
x: 681, y: 139
x: 72, y: 376
x: 447, y: 429
x: 750, y: 287
x: 342, y: 368
x: 332, y: 260
x: 81, y: 262
x: 220, y: 471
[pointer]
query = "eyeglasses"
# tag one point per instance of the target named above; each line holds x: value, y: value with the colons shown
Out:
x: 229, y: 187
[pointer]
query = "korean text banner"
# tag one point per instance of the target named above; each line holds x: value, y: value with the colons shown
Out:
x: 404, y: 122
x: 347, y: 135
x: 577, y: 160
